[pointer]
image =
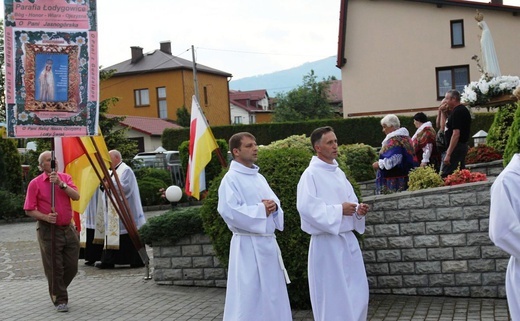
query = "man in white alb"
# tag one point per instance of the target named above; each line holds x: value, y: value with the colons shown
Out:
x: 504, y: 228
x: 330, y: 212
x: 256, y: 284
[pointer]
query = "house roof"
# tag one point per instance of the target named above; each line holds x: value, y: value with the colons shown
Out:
x: 148, y: 125
x: 158, y: 60
x: 249, y: 94
x: 341, y: 60
x: 334, y: 93
x: 240, y: 98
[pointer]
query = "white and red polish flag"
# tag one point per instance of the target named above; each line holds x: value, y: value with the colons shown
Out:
x: 202, y: 143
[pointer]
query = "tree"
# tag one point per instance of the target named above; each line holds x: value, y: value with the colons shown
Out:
x: 114, y: 138
x: 183, y: 117
x: 306, y: 102
x: 10, y: 166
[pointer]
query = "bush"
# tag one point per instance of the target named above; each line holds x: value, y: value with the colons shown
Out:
x: 214, y: 167
x: 172, y: 226
x: 282, y: 167
x: 359, y: 159
x: 499, y: 131
x: 295, y: 141
x: 464, y: 176
x: 513, y: 143
x: 149, y: 191
x: 10, y: 166
x: 11, y: 205
x: 424, y: 177
x: 148, y: 172
x: 482, y: 154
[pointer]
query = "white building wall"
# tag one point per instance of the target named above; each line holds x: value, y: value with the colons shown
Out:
x: 393, y: 47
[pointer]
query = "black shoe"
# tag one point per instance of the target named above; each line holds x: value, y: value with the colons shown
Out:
x: 104, y: 266
x: 90, y: 263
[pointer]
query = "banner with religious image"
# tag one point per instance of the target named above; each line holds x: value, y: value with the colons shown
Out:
x: 51, y: 61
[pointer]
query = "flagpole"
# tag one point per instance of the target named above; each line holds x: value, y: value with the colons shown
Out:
x: 53, y: 228
x: 195, y: 81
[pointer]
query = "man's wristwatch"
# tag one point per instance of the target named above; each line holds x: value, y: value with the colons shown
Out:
x: 63, y: 185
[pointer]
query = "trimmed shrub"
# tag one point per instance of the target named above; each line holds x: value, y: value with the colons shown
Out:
x: 366, y: 130
x: 295, y: 141
x: 359, y: 159
x: 513, y: 143
x: 10, y: 166
x: 424, y: 177
x: 499, y: 131
x: 172, y: 226
x: 149, y: 190
x: 148, y: 172
x: 282, y: 168
x: 11, y: 205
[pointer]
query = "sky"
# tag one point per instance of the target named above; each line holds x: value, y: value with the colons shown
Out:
x: 241, y: 37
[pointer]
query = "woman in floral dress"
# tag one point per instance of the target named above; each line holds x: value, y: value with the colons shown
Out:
x: 396, y: 157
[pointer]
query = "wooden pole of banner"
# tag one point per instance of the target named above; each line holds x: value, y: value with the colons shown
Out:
x: 53, y: 226
x: 122, y: 208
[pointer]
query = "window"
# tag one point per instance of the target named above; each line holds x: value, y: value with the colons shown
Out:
x: 142, y: 97
x: 237, y: 120
x: 448, y: 78
x: 457, y: 33
x: 206, y: 100
x: 252, y: 119
x: 161, y: 102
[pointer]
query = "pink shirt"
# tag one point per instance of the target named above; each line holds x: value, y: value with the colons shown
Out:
x: 38, y: 197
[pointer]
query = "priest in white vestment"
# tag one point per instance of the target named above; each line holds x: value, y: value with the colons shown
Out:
x: 330, y: 212
x: 504, y: 228
x: 256, y: 284
x: 119, y: 248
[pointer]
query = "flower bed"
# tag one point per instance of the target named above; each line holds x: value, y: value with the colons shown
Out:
x: 464, y: 176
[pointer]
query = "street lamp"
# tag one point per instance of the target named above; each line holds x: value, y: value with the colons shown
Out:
x: 479, y: 138
x: 173, y: 194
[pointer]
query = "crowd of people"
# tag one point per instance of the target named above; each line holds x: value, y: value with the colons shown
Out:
x: 329, y: 209
x: 400, y: 153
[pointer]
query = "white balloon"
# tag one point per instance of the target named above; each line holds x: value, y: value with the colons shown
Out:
x: 173, y: 193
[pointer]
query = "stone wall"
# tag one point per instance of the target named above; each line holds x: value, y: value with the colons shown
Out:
x: 191, y: 261
x: 433, y: 242
x: 427, y: 242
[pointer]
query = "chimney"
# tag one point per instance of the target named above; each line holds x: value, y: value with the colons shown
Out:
x: 137, y: 54
x: 166, y: 47
x: 498, y: 2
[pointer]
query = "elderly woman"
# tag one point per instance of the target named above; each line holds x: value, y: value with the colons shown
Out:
x: 424, y: 143
x: 396, y: 157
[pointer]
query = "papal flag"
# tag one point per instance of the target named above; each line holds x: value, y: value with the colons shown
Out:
x: 74, y: 155
x: 202, y: 143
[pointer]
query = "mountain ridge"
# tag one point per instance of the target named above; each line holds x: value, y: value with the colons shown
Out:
x: 288, y: 79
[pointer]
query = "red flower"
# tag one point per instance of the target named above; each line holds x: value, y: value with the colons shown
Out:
x: 464, y: 176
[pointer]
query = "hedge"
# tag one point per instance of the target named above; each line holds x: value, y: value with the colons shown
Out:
x: 365, y: 130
